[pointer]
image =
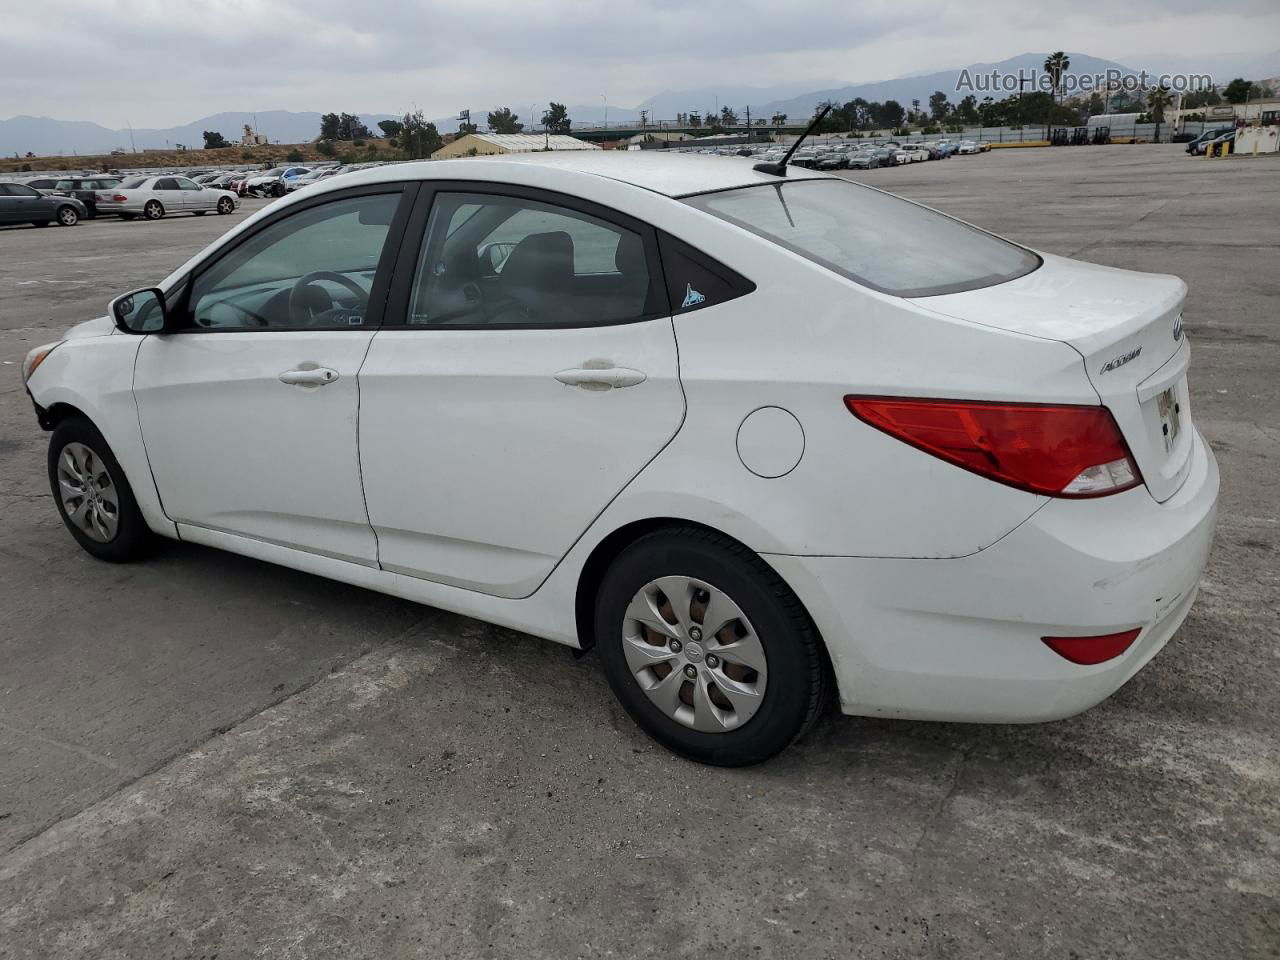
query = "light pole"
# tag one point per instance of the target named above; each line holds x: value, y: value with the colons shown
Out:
x: 606, y: 110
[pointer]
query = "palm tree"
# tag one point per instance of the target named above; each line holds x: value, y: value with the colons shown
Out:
x: 1055, y: 65
x: 1157, y: 100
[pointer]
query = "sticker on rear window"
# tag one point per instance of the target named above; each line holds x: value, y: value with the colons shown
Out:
x: 691, y: 297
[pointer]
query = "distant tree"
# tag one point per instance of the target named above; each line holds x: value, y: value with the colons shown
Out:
x: 695, y: 119
x: 350, y: 128
x: 503, y: 120
x: 466, y: 127
x: 1055, y: 65
x: 1238, y: 90
x: 390, y: 128
x: 419, y: 138
x: 330, y: 126
x: 1157, y: 100
x: 555, y: 119
x: 989, y: 113
x: 939, y: 106
x: 294, y: 156
x: 728, y: 118
x: 326, y: 148
x: 891, y: 114
x: 1096, y: 104
x: 968, y: 109
x: 779, y: 120
x: 1202, y: 98
x: 915, y: 110
x: 213, y: 140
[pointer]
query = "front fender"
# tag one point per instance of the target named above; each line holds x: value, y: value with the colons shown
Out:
x: 95, y: 376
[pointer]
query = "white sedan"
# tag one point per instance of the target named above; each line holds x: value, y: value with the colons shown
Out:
x: 153, y: 197
x: 757, y: 439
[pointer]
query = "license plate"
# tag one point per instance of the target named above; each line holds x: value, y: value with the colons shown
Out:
x: 1170, y: 417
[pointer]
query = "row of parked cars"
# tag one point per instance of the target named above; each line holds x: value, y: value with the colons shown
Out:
x: 863, y: 155
x: 66, y: 200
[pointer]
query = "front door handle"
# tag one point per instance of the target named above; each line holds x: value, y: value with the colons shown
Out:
x: 606, y: 378
x: 309, y: 377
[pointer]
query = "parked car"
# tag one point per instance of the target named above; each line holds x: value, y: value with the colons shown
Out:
x: 274, y: 182
x: 85, y: 189
x: 775, y: 512
x: 916, y: 152
x: 155, y: 197
x: 20, y: 203
x: 831, y: 160
x: 44, y: 184
x: 1197, y: 146
x: 967, y: 147
x: 862, y: 160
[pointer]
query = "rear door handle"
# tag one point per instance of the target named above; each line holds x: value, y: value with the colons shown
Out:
x: 309, y: 377
x: 601, y: 379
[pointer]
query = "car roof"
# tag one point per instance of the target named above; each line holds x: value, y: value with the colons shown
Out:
x: 673, y: 175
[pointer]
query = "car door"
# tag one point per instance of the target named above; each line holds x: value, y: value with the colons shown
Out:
x: 525, y: 372
x: 28, y: 205
x: 165, y: 189
x: 249, y: 407
x: 194, y: 197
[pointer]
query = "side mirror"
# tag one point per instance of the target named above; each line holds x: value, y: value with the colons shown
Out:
x: 142, y: 311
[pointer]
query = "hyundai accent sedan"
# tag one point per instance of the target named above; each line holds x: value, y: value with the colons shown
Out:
x: 757, y: 439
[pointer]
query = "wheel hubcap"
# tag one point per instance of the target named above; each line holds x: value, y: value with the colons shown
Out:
x: 88, y: 493
x: 695, y: 654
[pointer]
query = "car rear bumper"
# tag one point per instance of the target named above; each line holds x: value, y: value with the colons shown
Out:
x: 960, y: 639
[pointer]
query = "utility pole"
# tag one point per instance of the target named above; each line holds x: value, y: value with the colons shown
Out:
x: 748, y: 123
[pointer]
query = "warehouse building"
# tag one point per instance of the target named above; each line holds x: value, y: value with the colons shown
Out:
x: 487, y: 144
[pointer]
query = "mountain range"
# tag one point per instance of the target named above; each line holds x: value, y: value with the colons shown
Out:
x: 44, y: 136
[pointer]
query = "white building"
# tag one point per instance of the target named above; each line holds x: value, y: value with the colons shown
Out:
x: 487, y: 144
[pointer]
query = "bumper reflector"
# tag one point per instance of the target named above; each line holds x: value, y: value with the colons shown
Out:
x: 1090, y: 650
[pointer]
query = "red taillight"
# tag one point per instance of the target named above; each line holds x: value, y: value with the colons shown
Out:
x: 119, y: 198
x: 1090, y: 650
x: 1053, y: 449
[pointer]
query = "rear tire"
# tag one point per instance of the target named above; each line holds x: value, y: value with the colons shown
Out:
x: 154, y: 210
x: 93, y: 495
x: 770, y: 680
x: 225, y: 206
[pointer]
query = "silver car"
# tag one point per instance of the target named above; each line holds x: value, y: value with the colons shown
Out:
x: 152, y: 197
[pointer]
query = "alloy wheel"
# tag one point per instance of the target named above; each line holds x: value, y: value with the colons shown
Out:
x: 68, y: 217
x: 695, y: 654
x: 88, y: 493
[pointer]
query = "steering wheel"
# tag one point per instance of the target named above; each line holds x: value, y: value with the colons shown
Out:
x: 300, y: 313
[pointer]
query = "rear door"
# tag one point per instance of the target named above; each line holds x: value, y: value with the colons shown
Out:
x: 193, y: 196
x: 165, y: 189
x: 526, y: 371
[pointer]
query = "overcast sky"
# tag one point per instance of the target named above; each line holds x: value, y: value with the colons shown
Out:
x: 155, y: 63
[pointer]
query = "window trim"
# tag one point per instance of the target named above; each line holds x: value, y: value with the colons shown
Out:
x: 181, y: 311
x: 415, y: 236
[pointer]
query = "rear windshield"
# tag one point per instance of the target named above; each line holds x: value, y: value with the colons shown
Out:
x: 880, y: 241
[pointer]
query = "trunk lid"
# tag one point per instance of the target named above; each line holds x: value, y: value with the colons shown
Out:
x: 1128, y: 328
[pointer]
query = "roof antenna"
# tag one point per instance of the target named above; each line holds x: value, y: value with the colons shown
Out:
x: 779, y: 169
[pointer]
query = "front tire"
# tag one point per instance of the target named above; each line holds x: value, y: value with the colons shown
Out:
x: 93, y: 495
x: 67, y: 216
x: 708, y: 649
x: 154, y: 210
x: 225, y: 206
